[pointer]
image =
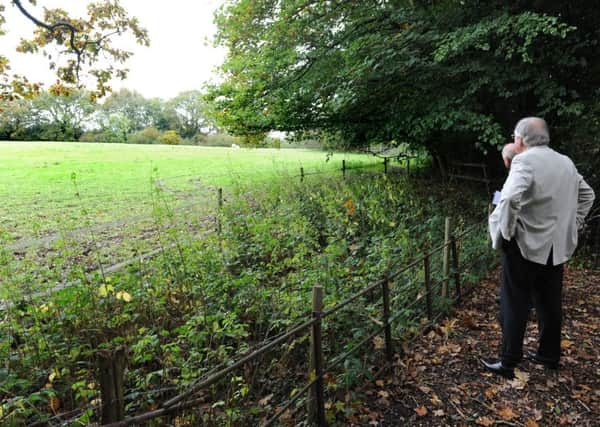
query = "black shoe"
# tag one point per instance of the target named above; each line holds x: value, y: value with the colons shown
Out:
x: 498, y: 368
x: 541, y: 360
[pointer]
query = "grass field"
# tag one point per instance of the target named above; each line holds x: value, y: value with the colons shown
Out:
x: 104, y: 197
x: 46, y: 184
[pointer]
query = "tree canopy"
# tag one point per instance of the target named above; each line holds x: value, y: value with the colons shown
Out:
x: 446, y: 75
x: 73, y: 46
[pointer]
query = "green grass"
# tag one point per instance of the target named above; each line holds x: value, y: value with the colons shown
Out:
x: 46, y: 184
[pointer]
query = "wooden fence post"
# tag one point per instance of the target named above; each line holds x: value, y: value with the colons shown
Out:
x: 427, y: 270
x: 316, y: 401
x: 219, y: 206
x: 446, y: 260
x: 455, y: 265
x: 301, y: 174
x: 344, y: 168
x: 389, y: 349
x: 111, y: 366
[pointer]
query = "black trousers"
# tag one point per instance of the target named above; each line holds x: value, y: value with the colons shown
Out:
x: 523, y: 281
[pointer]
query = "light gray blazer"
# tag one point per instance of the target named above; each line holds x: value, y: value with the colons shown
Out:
x: 544, y: 202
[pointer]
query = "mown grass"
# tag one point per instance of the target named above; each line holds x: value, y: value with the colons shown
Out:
x: 46, y: 184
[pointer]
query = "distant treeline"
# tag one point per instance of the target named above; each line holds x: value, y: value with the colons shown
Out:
x: 123, y: 117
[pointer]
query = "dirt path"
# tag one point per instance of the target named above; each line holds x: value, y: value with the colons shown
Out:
x: 439, y: 381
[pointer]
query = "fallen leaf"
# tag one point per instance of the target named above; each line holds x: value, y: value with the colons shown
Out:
x: 484, y: 421
x: 529, y: 422
x: 425, y: 389
x: 378, y: 342
x: 523, y: 376
x: 436, y: 400
x: 448, y: 326
x: 438, y: 413
x: 491, y: 392
x: 265, y: 400
x: 421, y: 411
x: 379, y: 383
x: 383, y: 394
x: 454, y: 348
x: 507, y: 413
x: 565, y: 344
x: 520, y: 380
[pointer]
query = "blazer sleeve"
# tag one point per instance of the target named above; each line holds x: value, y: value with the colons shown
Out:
x: 585, y: 200
x: 519, y: 180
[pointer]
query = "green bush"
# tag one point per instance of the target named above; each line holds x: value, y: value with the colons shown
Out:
x: 149, y: 135
x: 170, y: 137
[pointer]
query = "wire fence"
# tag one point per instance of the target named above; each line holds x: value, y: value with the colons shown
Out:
x: 401, y: 303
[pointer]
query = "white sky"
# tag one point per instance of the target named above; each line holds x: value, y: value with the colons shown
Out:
x: 181, y: 55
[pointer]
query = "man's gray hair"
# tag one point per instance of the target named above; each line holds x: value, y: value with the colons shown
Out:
x: 533, y: 130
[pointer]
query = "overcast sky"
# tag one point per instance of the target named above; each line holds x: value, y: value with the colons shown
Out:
x: 180, y: 57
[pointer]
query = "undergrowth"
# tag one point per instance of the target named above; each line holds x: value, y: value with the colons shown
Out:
x: 202, y: 302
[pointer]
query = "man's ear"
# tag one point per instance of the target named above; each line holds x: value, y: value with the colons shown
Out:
x: 520, y: 145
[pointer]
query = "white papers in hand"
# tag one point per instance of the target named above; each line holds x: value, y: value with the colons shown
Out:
x: 496, y: 198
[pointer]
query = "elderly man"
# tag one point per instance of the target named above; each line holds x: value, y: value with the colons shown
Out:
x: 544, y: 202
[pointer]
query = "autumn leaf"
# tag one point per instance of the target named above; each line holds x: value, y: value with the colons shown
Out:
x: 438, y: 413
x: 378, y: 342
x: 491, y: 392
x: 265, y: 400
x: 425, y: 389
x: 529, y: 422
x: 449, y: 326
x: 54, y: 404
x: 507, y: 413
x: 484, y: 421
x: 421, y: 411
x: 383, y: 394
x: 520, y: 381
x: 564, y: 344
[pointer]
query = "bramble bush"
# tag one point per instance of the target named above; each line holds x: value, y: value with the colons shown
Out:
x: 203, y: 301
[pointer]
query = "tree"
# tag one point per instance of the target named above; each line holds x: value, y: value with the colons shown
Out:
x: 191, y: 112
x: 139, y: 111
x: 446, y: 75
x: 81, y: 42
x: 62, y: 117
x: 17, y: 118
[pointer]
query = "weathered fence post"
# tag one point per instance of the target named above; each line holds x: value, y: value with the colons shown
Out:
x: 446, y: 260
x: 111, y: 366
x: 455, y: 265
x: 385, y: 165
x: 389, y: 349
x: 427, y: 270
x: 219, y: 206
x: 316, y: 402
x: 301, y: 174
x: 344, y: 168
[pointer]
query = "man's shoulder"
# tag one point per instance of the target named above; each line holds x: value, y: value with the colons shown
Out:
x: 544, y: 153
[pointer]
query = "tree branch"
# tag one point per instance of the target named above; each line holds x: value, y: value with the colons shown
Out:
x: 72, y: 29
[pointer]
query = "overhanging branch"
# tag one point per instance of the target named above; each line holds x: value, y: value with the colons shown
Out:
x: 52, y: 27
